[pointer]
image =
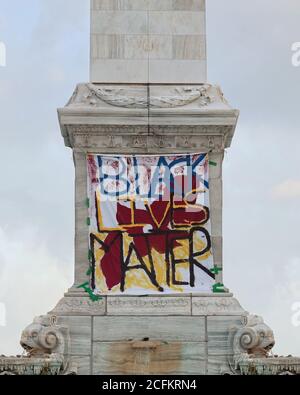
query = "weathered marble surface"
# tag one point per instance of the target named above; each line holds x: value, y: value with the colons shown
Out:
x: 155, y: 328
x: 30, y: 367
x: 79, y: 306
x: 80, y: 329
x: 218, y: 329
x: 213, y: 345
x: 148, y: 41
x: 152, y: 305
x: 217, y: 305
x: 162, y: 42
x: 172, y: 358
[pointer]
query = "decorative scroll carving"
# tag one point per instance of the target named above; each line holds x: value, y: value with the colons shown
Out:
x: 47, y: 347
x: 255, y: 340
x: 39, y: 340
x: 252, y: 345
x: 132, y: 98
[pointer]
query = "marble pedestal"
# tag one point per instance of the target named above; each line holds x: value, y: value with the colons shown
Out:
x: 148, y: 96
x: 167, y: 335
x: 151, y: 335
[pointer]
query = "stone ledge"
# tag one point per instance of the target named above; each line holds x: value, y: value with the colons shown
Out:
x: 79, y: 306
x: 217, y: 305
x: 149, y: 305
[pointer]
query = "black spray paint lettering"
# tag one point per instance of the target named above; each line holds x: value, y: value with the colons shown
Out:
x: 171, y: 237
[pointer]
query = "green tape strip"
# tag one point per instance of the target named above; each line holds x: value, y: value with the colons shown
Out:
x: 87, y: 289
x: 90, y: 256
x: 86, y: 284
x: 88, y: 221
x: 89, y: 272
x: 87, y: 202
x: 216, y: 270
x: 218, y: 288
x: 213, y: 163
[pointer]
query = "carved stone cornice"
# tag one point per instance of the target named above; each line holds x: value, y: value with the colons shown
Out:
x: 110, y: 114
x: 139, y: 97
x: 149, y: 305
x: 220, y: 305
x: 127, y: 130
x: 110, y: 143
x: 143, y: 96
x: 78, y: 305
x: 155, y: 139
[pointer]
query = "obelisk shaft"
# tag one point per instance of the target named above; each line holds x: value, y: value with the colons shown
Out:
x: 148, y: 41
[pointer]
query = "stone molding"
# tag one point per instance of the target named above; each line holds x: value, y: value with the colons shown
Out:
x: 145, y: 97
x: 161, y: 118
x: 206, y: 305
x: 211, y: 306
x: 119, y: 305
x: 79, y: 305
x: 120, y: 97
x: 93, y: 138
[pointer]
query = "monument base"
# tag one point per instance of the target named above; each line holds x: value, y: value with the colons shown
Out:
x: 205, y: 334
x: 148, y: 335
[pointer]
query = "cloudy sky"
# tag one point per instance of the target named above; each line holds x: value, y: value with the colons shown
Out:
x: 249, y: 49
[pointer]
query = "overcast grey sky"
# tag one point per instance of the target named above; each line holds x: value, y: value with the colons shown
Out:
x: 249, y: 49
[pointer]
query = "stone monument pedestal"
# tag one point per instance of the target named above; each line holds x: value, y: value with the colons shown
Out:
x: 151, y: 335
x: 148, y: 96
x: 180, y: 334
